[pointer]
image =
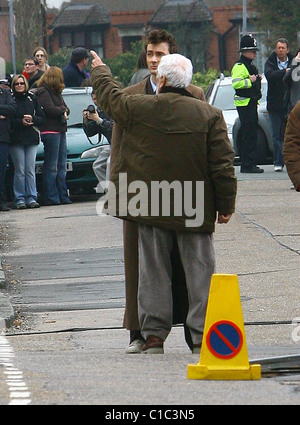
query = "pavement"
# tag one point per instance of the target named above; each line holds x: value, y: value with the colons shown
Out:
x: 262, y: 209
x: 7, y: 313
x: 261, y: 244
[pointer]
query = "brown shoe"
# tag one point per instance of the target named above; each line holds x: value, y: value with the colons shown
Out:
x: 153, y: 345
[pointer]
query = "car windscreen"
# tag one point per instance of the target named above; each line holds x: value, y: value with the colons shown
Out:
x: 76, y: 102
x: 224, y: 98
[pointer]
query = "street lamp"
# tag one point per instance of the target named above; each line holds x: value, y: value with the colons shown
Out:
x: 12, y: 35
x: 244, y: 30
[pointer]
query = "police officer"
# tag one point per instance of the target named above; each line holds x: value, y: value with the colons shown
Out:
x: 247, y: 84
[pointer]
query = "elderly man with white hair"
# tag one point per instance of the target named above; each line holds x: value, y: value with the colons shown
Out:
x: 174, y: 176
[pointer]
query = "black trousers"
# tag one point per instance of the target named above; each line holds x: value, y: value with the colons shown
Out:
x: 249, y: 126
x: 4, y: 150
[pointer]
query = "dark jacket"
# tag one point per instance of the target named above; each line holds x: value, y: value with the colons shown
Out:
x: 291, y: 146
x: 73, y: 77
x: 190, y: 145
x: 7, y: 109
x: 27, y: 104
x: 32, y: 81
x: 54, y: 107
x: 276, y: 87
x: 292, y: 82
x: 91, y: 128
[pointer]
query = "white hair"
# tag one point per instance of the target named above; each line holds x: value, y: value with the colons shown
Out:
x: 177, y: 69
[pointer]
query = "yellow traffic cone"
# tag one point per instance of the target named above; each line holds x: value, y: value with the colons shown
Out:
x: 224, y: 353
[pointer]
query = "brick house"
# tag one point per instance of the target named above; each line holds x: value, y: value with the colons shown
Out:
x: 120, y: 22
x: 109, y: 26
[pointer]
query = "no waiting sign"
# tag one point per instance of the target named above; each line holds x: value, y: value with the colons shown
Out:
x: 224, y: 339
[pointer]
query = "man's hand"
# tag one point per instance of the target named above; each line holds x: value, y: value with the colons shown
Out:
x: 96, y: 60
x: 223, y: 219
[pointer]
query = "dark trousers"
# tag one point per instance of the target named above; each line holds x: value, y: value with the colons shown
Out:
x: 277, y: 119
x: 249, y: 126
x: 4, y: 149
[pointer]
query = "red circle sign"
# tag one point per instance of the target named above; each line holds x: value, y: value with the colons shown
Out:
x: 224, y: 339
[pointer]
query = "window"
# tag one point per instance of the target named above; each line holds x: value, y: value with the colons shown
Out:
x: 79, y: 39
x: 66, y: 39
x: 97, y: 44
x: 96, y: 38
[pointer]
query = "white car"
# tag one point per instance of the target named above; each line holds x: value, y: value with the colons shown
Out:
x: 221, y: 94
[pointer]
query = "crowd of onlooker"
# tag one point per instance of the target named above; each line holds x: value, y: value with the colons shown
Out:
x: 32, y: 109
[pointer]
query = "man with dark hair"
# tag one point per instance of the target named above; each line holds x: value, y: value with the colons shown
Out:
x: 74, y: 72
x: 276, y: 67
x: 161, y: 36
x: 31, y: 68
x: 158, y: 43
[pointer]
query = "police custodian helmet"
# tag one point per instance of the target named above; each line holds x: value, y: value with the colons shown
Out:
x: 248, y: 43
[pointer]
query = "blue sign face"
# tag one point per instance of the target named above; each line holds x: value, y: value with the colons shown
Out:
x: 224, y: 340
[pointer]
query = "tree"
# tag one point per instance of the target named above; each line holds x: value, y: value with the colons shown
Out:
x: 277, y: 19
x: 61, y: 58
x: 193, y: 42
x: 124, y: 64
x: 29, y: 26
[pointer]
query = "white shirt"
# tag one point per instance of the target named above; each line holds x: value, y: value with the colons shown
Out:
x: 153, y: 85
x: 282, y: 65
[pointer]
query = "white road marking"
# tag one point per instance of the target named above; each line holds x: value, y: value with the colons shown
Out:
x: 18, y: 390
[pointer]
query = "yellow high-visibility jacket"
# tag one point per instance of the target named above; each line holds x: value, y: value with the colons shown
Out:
x: 245, y: 90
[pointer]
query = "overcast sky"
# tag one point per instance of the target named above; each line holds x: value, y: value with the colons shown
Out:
x: 54, y: 3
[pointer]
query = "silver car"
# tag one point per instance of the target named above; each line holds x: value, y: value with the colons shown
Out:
x: 221, y: 94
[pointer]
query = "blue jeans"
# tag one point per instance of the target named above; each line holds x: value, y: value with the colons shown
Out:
x: 23, y: 158
x: 4, y: 149
x: 55, y: 169
x: 276, y: 119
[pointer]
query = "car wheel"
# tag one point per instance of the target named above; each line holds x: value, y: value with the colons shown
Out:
x: 262, y: 149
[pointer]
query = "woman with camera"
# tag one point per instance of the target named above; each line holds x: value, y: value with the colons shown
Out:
x: 96, y: 121
x: 24, y: 140
x: 53, y: 134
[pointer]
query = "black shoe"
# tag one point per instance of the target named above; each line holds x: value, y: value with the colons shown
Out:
x: 253, y: 170
x: 33, y: 204
x: 4, y: 207
x: 20, y: 206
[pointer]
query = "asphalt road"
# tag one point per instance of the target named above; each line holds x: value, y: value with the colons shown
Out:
x: 65, y: 280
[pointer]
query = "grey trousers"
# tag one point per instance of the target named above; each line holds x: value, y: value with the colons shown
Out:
x: 155, y: 273
x: 101, y: 169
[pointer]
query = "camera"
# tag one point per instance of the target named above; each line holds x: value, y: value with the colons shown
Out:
x: 91, y: 109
